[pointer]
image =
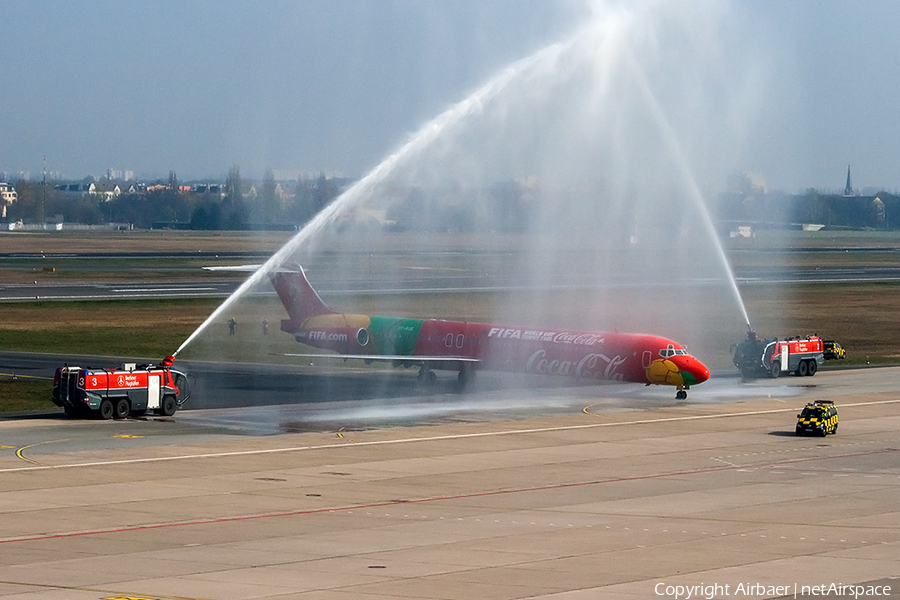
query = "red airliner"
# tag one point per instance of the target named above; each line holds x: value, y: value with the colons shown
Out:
x: 466, y: 347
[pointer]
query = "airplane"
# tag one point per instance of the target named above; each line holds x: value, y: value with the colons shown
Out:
x: 466, y: 347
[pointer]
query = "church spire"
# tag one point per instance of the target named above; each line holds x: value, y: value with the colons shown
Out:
x: 848, y: 189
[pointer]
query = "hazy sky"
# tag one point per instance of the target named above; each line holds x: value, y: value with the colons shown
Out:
x: 336, y: 85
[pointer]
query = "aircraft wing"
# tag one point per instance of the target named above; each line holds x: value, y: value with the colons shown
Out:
x: 250, y: 268
x: 246, y: 268
x: 392, y: 358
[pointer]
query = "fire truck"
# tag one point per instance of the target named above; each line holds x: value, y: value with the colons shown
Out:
x: 119, y: 392
x: 756, y: 357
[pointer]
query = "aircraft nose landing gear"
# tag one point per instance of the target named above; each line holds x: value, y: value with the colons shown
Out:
x: 681, y: 395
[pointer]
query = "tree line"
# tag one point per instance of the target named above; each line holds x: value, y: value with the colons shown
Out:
x: 169, y: 204
x: 511, y: 206
x: 880, y: 211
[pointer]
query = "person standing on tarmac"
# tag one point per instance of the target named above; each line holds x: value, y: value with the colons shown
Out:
x: 231, y: 325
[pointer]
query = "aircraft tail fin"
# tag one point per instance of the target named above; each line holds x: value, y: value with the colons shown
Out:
x: 299, y: 298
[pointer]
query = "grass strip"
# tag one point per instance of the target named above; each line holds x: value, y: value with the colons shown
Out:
x: 25, y: 394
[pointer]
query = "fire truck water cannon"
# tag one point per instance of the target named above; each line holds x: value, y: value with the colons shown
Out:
x: 756, y: 357
x: 118, y: 392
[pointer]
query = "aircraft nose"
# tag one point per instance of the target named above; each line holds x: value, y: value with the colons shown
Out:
x: 699, y: 371
x: 692, y: 370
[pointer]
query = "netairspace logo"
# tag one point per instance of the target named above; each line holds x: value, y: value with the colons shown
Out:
x: 710, y: 591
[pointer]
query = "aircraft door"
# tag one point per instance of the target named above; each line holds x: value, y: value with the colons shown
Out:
x: 646, y: 359
x: 153, y: 392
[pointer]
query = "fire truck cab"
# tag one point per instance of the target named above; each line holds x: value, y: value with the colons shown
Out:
x: 120, y: 392
x: 756, y: 357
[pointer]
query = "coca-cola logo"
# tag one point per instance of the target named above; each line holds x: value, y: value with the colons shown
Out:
x: 579, y: 339
x: 557, y: 337
x: 589, y: 366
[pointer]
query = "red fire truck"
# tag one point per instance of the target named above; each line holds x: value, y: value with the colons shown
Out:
x: 120, y: 392
x: 756, y: 357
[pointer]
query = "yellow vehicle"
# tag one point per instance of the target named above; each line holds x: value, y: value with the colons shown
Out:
x: 819, y: 417
x: 832, y: 350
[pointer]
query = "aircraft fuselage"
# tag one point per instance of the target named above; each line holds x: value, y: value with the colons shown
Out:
x: 638, y: 358
x: 463, y: 346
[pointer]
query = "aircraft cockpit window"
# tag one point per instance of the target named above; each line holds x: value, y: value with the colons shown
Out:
x: 671, y: 350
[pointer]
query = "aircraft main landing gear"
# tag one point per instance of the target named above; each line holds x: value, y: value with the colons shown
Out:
x: 681, y: 395
x: 426, y: 378
x: 466, y: 377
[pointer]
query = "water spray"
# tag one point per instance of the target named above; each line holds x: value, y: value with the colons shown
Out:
x: 423, y: 138
x: 695, y: 194
x: 596, y: 46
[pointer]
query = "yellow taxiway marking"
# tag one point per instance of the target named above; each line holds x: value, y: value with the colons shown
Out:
x: 125, y: 435
x: 6, y: 447
x: 17, y: 376
x: 587, y: 409
x: 146, y: 597
x: 97, y: 590
x: 23, y: 448
x: 415, y: 440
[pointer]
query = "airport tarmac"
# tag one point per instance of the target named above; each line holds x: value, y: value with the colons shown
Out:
x: 612, y: 491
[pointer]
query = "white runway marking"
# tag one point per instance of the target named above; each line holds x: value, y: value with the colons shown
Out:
x: 417, y: 440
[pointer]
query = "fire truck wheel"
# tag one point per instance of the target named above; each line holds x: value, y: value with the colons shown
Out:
x: 813, y: 367
x: 122, y: 408
x: 168, y: 406
x: 803, y: 368
x: 106, y: 410
x: 776, y: 370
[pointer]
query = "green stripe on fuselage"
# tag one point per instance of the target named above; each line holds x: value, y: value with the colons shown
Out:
x: 395, y: 336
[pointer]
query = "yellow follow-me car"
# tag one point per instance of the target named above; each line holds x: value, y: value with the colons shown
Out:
x: 819, y: 417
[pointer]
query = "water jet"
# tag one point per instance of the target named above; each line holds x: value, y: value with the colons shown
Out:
x: 578, y: 149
